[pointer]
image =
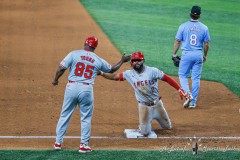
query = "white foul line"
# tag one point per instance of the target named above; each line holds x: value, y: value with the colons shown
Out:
x: 108, y: 137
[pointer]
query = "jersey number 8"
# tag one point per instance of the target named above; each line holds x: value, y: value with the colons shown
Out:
x: 193, y: 39
x: 80, y: 69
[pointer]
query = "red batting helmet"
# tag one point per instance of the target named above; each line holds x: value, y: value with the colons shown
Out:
x: 136, y: 55
x: 91, y: 41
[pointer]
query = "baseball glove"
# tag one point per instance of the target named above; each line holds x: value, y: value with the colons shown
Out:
x: 176, y: 60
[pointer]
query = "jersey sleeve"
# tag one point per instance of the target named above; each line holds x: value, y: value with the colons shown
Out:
x: 126, y: 75
x: 67, y: 61
x: 157, y: 74
x: 106, y: 67
x: 207, y: 36
x: 179, y: 35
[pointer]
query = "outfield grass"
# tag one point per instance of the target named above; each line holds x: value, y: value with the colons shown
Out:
x: 115, y: 155
x: 150, y: 26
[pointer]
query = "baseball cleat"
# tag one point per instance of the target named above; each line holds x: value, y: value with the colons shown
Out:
x: 84, y: 148
x: 57, y: 146
x: 192, y: 106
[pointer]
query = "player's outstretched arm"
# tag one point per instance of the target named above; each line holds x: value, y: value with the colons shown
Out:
x: 174, y: 84
x: 111, y: 76
x: 171, y: 81
x: 119, y: 64
x: 59, y: 73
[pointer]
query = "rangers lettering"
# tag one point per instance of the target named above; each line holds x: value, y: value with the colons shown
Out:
x: 194, y: 29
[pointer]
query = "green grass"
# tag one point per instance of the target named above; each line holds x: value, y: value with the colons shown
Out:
x: 116, y: 155
x: 151, y: 25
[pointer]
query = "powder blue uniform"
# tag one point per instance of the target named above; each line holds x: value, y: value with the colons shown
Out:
x: 145, y: 86
x: 192, y: 34
x: 84, y: 66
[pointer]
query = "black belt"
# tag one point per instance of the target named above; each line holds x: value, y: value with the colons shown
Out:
x: 150, y: 103
x: 78, y: 82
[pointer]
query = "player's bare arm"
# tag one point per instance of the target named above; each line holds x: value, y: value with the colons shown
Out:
x: 111, y: 76
x: 206, y: 47
x: 59, y: 73
x: 119, y: 64
x: 176, y: 47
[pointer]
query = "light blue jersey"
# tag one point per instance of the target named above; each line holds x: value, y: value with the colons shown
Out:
x: 193, y: 34
x: 145, y: 84
x: 84, y: 66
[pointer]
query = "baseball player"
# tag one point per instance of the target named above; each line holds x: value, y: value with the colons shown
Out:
x: 84, y: 66
x: 195, y: 37
x: 144, y: 80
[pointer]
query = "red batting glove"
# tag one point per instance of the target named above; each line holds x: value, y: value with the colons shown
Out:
x: 182, y: 93
x: 186, y: 95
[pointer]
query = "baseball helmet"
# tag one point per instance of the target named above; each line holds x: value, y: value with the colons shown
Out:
x: 91, y: 41
x: 136, y: 55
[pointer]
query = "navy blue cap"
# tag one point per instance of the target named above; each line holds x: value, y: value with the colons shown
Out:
x: 196, y: 10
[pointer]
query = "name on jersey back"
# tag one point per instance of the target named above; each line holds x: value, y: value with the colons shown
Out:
x: 86, y: 58
x: 194, y: 29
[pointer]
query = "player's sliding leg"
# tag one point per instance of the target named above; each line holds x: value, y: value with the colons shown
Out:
x: 145, y: 119
x: 160, y: 114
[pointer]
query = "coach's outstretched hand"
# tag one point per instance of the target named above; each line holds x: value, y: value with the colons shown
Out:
x: 126, y: 58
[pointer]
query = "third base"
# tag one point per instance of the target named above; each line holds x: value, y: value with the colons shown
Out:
x: 134, y: 133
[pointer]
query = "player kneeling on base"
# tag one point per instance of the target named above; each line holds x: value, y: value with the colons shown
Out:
x: 144, y: 82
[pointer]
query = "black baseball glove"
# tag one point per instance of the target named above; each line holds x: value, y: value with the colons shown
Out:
x: 176, y: 60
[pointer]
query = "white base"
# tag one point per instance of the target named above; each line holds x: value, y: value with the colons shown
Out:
x: 134, y: 133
